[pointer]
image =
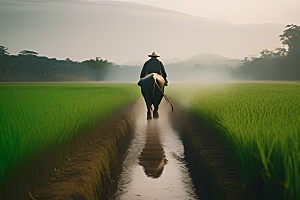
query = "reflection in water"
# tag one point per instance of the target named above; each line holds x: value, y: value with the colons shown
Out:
x: 155, y: 141
x: 152, y: 157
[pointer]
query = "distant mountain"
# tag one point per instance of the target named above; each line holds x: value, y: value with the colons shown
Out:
x: 206, y: 67
x: 171, y: 61
x: 124, y: 31
x: 208, y: 56
x: 205, y: 59
x: 141, y: 63
x: 211, y: 59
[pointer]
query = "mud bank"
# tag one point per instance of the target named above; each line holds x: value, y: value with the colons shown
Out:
x: 85, y: 168
x: 93, y: 174
x: 215, y: 174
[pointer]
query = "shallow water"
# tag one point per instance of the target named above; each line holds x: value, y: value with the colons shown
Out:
x: 154, y: 167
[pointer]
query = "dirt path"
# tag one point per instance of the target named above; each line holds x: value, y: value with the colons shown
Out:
x: 154, y: 166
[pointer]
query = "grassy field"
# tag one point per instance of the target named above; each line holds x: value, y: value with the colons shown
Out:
x: 261, y: 123
x: 37, y: 117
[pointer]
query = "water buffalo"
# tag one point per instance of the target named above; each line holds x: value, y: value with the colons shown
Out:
x: 152, y: 87
x: 153, y: 79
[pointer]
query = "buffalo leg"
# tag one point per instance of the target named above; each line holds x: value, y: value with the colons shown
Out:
x: 156, y: 101
x: 148, y: 100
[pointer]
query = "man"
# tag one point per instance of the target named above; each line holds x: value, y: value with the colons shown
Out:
x: 153, y: 65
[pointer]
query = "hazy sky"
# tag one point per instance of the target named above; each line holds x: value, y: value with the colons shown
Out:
x: 129, y: 30
x: 236, y: 11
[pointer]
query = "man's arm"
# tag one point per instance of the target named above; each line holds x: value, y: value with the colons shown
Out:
x: 144, y: 70
x: 163, y: 71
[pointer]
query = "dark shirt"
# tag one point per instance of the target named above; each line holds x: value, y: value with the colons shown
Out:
x: 153, y: 65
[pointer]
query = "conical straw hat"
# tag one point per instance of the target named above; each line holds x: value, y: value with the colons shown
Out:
x: 153, y: 55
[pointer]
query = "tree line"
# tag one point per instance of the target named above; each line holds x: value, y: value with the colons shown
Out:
x: 29, y: 66
x: 282, y: 63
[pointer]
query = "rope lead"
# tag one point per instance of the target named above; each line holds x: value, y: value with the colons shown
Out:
x: 166, y: 98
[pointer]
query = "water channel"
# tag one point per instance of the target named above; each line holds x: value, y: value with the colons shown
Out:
x: 154, y: 167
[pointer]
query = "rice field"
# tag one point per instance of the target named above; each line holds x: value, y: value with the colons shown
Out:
x: 35, y: 118
x: 258, y: 121
x: 261, y: 125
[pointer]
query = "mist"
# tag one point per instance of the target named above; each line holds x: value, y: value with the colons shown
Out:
x: 122, y: 31
x: 203, y: 68
x: 192, y: 48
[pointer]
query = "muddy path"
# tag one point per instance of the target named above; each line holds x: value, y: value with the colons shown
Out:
x: 154, y: 166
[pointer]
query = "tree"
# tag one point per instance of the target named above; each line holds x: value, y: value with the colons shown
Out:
x: 3, y: 50
x: 28, y: 53
x: 266, y: 53
x: 280, y: 51
x: 291, y: 36
x: 68, y: 60
x: 97, y: 64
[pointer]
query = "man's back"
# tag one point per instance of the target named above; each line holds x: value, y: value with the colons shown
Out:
x: 153, y: 65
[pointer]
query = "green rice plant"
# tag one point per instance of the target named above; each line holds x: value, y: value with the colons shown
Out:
x: 260, y: 122
x: 35, y: 118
